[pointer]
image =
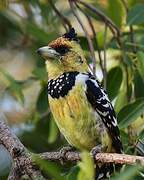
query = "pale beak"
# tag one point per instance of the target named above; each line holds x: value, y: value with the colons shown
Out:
x: 47, y: 52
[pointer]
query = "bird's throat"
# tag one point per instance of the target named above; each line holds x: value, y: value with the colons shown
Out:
x: 54, y: 70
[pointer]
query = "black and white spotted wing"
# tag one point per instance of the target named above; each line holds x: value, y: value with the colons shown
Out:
x: 62, y: 85
x: 98, y: 98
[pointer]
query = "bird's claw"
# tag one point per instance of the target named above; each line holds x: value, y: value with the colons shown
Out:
x: 63, y: 152
x: 95, y: 150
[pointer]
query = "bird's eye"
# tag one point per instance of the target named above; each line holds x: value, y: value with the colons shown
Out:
x: 62, y: 49
x: 80, y: 60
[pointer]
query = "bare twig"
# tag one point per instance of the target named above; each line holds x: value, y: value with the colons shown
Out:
x: 14, y: 175
x: 64, y: 20
x: 97, y: 46
x: 132, y: 38
x: 11, y: 142
x: 45, y: 114
x: 94, y: 36
x: 114, y: 29
x: 23, y: 161
x: 86, y: 34
x: 100, y: 157
x: 105, y: 64
x: 119, y: 158
x: 130, y: 28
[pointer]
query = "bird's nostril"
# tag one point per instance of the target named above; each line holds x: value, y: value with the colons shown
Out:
x: 39, y: 51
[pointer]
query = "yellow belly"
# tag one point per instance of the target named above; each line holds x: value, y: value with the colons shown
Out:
x: 77, y: 121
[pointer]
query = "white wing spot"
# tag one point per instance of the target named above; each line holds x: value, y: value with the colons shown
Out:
x: 100, y: 176
x: 103, y: 113
x: 61, y: 76
x: 108, y: 174
x: 114, y: 122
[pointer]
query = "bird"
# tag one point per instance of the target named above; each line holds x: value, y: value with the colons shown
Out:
x: 79, y: 104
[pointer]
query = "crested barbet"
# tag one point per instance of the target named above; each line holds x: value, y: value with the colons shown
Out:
x: 79, y: 104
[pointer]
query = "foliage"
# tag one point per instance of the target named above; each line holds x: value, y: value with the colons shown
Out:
x: 27, y: 25
x: 87, y: 171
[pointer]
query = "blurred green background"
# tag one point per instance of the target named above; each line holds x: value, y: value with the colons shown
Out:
x: 26, y: 25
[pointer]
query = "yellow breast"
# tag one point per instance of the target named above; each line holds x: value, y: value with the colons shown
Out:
x: 76, y: 119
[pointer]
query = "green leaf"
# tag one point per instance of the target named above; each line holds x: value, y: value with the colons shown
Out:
x: 53, y: 131
x: 73, y: 173
x: 114, y: 80
x: 121, y: 100
x: 138, y: 85
x: 14, y: 86
x: 40, y: 73
x: 125, y: 140
x: 129, y: 173
x: 86, y: 167
x: 136, y: 15
x: 3, y: 5
x: 141, y: 136
x: 83, y: 43
x: 38, y: 33
x: 50, y: 168
x: 140, y: 58
x: 130, y: 113
x: 115, y: 11
x: 131, y: 3
x: 100, y: 39
x: 42, y: 102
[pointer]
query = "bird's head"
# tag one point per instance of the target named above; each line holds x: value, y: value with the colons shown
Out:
x: 64, y: 55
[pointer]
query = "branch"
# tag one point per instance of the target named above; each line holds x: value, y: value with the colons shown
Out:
x: 94, y: 36
x: 100, y: 157
x: 134, y: 48
x: 114, y: 29
x: 23, y: 161
x: 64, y: 20
x: 86, y: 34
x: 105, y: 62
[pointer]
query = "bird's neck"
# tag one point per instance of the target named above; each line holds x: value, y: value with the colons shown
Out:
x: 53, y: 70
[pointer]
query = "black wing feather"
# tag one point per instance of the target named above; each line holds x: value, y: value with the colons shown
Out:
x: 98, y: 98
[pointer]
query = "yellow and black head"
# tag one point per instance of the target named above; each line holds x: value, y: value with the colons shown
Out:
x: 64, y: 54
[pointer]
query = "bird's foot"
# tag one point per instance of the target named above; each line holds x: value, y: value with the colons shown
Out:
x: 95, y: 150
x: 65, y: 150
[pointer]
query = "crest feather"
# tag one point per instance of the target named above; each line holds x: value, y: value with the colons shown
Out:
x: 71, y: 35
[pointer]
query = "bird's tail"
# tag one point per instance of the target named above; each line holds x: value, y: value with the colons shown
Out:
x: 104, y: 171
